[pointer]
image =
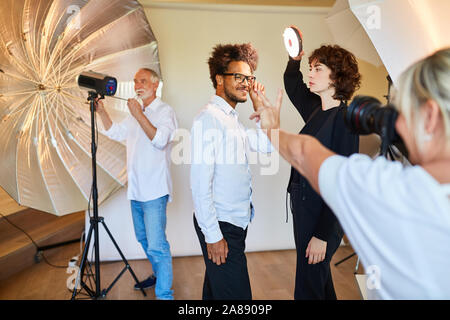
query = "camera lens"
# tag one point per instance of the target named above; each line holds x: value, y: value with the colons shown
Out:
x: 366, y: 115
x: 360, y: 115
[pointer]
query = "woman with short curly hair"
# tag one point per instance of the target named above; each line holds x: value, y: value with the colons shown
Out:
x: 333, y: 79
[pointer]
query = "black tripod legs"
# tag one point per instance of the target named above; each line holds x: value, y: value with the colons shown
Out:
x: 127, y: 265
x: 345, y: 259
x: 97, y: 293
x: 79, y: 281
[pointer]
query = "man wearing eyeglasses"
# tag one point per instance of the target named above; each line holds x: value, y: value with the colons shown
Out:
x: 220, y: 173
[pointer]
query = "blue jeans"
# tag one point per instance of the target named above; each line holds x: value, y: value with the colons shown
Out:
x: 149, y: 219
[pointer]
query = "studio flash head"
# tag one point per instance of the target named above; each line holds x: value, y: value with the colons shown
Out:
x: 102, y: 84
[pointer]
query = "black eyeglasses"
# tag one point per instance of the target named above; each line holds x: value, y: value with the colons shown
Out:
x: 239, y: 77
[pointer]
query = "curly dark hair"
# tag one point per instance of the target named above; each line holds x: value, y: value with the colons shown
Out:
x: 222, y: 55
x: 344, y: 69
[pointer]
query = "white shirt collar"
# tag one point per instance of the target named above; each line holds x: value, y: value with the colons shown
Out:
x: 154, y: 104
x: 223, y: 105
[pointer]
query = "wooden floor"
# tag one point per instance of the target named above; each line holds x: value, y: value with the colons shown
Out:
x: 17, y: 252
x: 272, y: 276
x: 8, y: 205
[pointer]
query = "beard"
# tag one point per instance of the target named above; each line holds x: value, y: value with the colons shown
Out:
x: 233, y: 97
x: 143, y: 94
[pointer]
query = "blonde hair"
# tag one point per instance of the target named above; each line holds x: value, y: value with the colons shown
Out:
x: 428, y: 79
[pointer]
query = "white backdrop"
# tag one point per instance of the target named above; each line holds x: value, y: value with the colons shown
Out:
x: 186, y: 35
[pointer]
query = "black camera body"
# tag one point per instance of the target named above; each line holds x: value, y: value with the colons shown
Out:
x: 366, y: 115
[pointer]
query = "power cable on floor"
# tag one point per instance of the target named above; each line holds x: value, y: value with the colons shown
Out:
x: 32, y: 241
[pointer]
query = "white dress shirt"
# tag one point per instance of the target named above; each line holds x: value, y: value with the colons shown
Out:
x: 397, y: 219
x: 148, y: 161
x: 220, y: 172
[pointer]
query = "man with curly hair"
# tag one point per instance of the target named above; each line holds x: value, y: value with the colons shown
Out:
x: 220, y: 173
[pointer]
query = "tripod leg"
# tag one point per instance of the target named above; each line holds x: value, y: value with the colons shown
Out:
x: 357, y: 266
x: 345, y: 259
x: 122, y: 256
x: 83, y: 260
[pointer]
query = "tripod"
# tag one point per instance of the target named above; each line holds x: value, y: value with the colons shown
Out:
x: 96, y: 293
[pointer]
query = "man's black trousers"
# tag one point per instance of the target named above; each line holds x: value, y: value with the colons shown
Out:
x: 229, y: 281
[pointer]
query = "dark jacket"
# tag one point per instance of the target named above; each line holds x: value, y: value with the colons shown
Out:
x: 330, y: 129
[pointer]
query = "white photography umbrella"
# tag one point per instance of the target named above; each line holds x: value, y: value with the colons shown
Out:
x: 348, y: 32
x: 404, y: 31
x: 44, y: 117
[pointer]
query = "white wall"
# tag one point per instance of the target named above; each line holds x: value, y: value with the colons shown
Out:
x: 186, y: 35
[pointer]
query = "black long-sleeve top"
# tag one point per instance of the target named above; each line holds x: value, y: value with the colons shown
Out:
x: 330, y: 129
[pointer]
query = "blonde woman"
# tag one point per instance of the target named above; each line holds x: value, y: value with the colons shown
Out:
x: 397, y: 218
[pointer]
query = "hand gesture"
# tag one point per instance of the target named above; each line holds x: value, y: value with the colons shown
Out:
x: 253, y: 92
x: 135, y: 108
x: 267, y: 113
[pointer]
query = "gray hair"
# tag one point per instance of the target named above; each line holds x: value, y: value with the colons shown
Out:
x: 153, y: 75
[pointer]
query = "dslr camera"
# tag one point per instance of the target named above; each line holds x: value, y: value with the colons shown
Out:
x: 366, y: 115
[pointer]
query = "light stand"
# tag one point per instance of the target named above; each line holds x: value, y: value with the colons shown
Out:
x: 94, y: 222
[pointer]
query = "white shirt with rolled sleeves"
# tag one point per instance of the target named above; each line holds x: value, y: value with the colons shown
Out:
x: 398, y: 221
x: 220, y: 172
x: 148, y: 161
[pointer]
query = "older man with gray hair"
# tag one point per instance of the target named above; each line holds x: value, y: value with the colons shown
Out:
x: 148, y: 133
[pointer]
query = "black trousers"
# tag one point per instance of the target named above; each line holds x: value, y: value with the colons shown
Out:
x: 312, y: 281
x: 229, y: 281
